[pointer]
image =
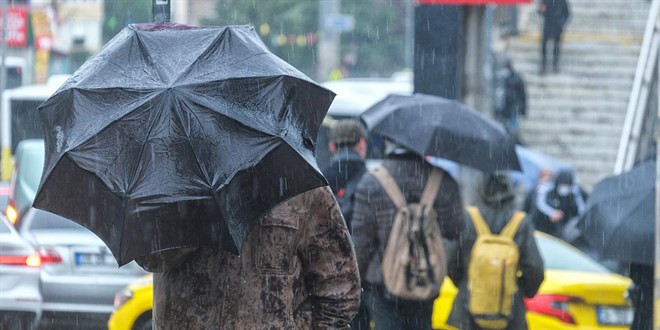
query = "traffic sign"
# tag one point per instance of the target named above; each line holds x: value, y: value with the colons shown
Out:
x: 341, y: 23
x: 16, y: 26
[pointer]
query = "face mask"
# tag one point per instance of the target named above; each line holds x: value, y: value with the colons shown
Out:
x: 563, y: 190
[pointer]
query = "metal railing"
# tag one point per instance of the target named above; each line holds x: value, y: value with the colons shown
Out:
x: 639, y: 96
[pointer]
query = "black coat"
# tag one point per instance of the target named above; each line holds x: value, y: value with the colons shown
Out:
x: 530, y: 265
x: 516, y: 97
x: 556, y: 16
x: 374, y: 212
x: 343, y: 174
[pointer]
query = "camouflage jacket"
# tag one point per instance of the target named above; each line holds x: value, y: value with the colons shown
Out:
x: 297, y: 270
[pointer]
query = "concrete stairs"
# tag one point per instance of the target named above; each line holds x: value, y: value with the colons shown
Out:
x: 577, y: 115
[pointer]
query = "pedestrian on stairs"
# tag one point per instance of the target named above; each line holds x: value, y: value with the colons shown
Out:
x: 555, y: 16
x: 514, y: 101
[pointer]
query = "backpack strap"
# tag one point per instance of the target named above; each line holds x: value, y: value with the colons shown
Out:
x: 431, y: 189
x: 391, y: 188
x: 480, y: 225
x: 511, y: 228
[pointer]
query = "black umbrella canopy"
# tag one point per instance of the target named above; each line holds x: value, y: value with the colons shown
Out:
x: 434, y: 126
x: 619, y: 220
x: 178, y: 136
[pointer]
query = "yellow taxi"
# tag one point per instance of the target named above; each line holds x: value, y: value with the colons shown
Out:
x: 133, y: 306
x: 578, y: 293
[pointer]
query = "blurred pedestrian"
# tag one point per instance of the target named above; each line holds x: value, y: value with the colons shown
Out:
x: 515, y: 100
x: 348, y: 146
x: 495, y: 213
x: 558, y: 202
x: 555, y: 16
x: 546, y: 174
x: 373, y: 217
x: 296, y: 270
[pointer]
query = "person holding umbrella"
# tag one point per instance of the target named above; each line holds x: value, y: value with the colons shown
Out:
x: 373, y: 218
x: 191, y: 150
x: 415, y: 127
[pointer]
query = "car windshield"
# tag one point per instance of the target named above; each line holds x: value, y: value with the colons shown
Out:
x: 558, y: 256
x: 48, y: 221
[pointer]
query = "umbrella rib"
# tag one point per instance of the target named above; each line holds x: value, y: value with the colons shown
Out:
x: 146, y: 53
x: 139, y: 156
x: 188, y: 138
x: 107, y: 126
x: 224, y: 68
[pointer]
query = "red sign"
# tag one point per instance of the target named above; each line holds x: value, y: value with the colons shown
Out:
x: 17, y: 26
x: 472, y: 2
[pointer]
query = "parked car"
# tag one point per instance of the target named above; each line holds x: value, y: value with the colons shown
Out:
x: 79, y: 282
x: 577, y: 293
x: 19, y: 280
x: 28, y: 166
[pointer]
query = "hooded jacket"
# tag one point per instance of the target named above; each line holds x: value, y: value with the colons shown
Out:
x: 297, y: 270
x: 497, y: 209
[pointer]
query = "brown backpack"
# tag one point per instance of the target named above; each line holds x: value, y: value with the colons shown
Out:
x: 414, y: 263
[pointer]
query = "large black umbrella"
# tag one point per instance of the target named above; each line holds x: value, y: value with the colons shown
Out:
x: 619, y: 220
x: 434, y: 126
x: 178, y: 136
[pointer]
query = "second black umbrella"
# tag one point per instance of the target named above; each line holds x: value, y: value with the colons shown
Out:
x: 434, y: 126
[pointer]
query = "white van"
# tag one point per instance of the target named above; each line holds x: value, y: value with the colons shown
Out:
x: 19, y: 119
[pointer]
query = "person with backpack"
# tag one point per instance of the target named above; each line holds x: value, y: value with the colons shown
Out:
x: 497, y: 261
x: 348, y: 146
x: 402, y: 212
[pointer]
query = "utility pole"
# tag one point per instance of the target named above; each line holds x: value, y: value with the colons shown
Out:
x: 161, y: 11
x: 328, y: 46
x: 409, y: 55
x: 656, y: 286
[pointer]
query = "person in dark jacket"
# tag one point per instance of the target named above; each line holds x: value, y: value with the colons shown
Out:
x: 515, y: 100
x: 348, y: 146
x: 373, y: 217
x: 297, y: 270
x: 555, y: 16
x: 495, y: 201
x: 558, y: 202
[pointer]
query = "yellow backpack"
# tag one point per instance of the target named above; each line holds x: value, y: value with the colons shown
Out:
x: 493, y: 272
